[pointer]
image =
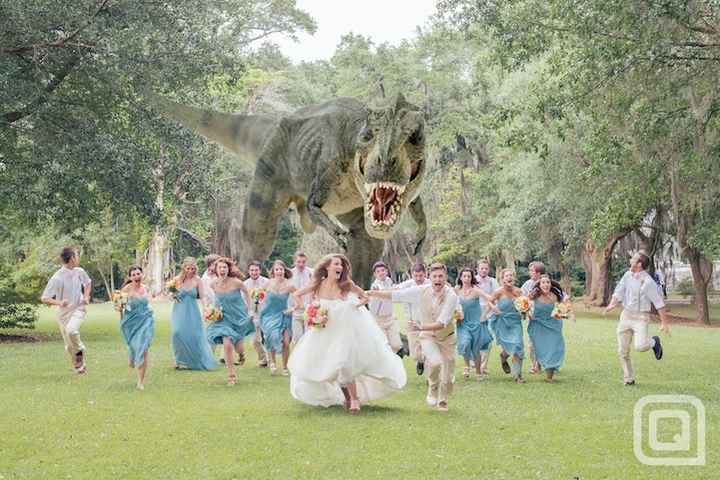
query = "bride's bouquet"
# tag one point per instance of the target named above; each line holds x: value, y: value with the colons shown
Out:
x: 522, y: 305
x: 213, y: 314
x: 316, y: 316
x: 120, y: 299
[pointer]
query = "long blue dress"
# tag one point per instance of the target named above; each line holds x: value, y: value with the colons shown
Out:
x: 190, y: 346
x: 546, y: 335
x: 473, y: 335
x: 235, y: 323
x: 138, y: 328
x: 507, y: 327
x: 273, y: 321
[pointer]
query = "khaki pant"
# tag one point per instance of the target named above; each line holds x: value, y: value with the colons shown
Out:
x: 298, y: 327
x: 389, y: 326
x: 440, y: 364
x: 69, y: 325
x: 415, y: 346
x: 257, y: 341
x: 632, y: 330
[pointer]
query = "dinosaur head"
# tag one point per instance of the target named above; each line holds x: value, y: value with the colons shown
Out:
x: 390, y: 164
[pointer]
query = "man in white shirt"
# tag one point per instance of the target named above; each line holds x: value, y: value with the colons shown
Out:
x: 487, y: 284
x: 437, y: 303
x: 535, y: 269
x: 382, y: 310
x: 255, y: 280
x: 419, y: 278
x: 638, y: 294
x: 301, y: 278
x: 208, y: 277
x: 69, y: 289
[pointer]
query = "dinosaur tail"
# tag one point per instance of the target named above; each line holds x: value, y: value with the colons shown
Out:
x: 245, y: 135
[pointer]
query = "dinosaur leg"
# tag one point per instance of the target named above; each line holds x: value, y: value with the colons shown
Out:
x: 362, y: 250
x: 264, y: 207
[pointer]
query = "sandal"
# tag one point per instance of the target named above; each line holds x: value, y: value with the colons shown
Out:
x: 232, y: 380
x: 504, y: 363
x: 519, y: 380
x: 354, y: 406
x: 273, y: 369
x: 443, y: 406
x: 466, y: 373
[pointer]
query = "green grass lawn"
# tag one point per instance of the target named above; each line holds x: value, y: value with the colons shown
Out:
x: 57, y: 425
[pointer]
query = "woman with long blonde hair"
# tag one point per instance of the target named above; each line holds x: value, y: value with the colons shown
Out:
x: 346, y: 358
x: 190, y: 346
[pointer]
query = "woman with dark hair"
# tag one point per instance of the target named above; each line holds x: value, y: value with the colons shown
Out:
x: 473, y: 334
x: 190, y: 346
x: 276, y: 317
x: 137, y: 322
x: 231, y: 296
x: 545, y: 331
x: 349, y: 360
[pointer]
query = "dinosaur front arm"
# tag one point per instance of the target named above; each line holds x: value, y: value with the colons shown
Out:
x: 319, y: 194
x: 418, y: 214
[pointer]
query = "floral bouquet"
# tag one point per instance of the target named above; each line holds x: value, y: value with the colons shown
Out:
x: 316, y: 316
x: 562, y: 310
x: 120, y: 299
x: 172, y: 289
x: 257, y: 295
x: 522, y: 305
x: 213, y: 314
x: 458, y: 314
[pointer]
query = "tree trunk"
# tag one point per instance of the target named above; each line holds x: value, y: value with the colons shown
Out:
x: 702, y: 270
x: 599, y: 259
x: 157, y: 266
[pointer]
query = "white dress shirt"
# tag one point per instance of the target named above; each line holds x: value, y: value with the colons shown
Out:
x: 411, y: 312
x: 251, y: 283
x: 487, y: 285
x: 67, y: 284
x: 301, y: 280
x: 528, y: 286
x: 638, y: 292
x: 413, y: 295
x: 378, y: 306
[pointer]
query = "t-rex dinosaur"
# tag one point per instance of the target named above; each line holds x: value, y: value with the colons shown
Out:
x: 349, y: 168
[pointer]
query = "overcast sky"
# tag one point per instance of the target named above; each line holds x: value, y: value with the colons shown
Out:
x: 382, y: 20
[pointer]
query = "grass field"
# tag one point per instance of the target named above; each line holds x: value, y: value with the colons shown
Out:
x: 57, y: 425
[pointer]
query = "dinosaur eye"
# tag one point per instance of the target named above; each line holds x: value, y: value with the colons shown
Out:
x: 416, y: 138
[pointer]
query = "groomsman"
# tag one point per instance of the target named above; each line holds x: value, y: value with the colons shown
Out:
x: 255, y: 280
x: 383, y: 309
x: 487, y: 284
x: 437, y: 303
x: 69, y: 289
x: 419, y: 279
x: 208, y: 277
x: 637, y: 293
x: 301, y: 278
x: 536, y: 269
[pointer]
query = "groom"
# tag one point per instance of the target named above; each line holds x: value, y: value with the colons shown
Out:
x: 436, y: 328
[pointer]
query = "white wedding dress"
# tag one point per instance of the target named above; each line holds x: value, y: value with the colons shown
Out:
x: 350, y: 348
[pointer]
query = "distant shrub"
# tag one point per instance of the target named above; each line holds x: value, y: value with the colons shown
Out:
x: 18, y: 315
x: 685, y: 287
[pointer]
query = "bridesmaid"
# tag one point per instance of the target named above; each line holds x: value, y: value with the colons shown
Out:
x: 275, y: 316
x: 137, y: 323
x: 190, y: 346
x: 231, y: 296
x: 506, y: 324
x: 546, y: 331
x: 473, y: 334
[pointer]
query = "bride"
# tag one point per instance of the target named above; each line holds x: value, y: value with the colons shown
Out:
x: 349, y: 360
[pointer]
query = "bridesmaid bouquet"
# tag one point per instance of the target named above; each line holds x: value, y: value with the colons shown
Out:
x: 213, y: 314
x: 172, y: 289
x: 522, y: 305
x: 316, y: 316
x: 562, y: 310
x: 458, y: 314
x: 257, y: 295
x: 120, y: 299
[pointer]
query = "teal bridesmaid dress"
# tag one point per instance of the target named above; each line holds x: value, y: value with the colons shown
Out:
x: 546, y: 335
x: 190, y: 346
x: 507, y: 327
x: 138, y: 328
x: 473, y: 335
x: 235, y: 323
x: 273, y: 321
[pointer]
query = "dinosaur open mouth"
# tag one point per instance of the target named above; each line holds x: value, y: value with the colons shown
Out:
x: 384, y: 202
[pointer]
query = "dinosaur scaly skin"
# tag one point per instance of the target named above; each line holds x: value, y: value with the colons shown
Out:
x: 354, y: 171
